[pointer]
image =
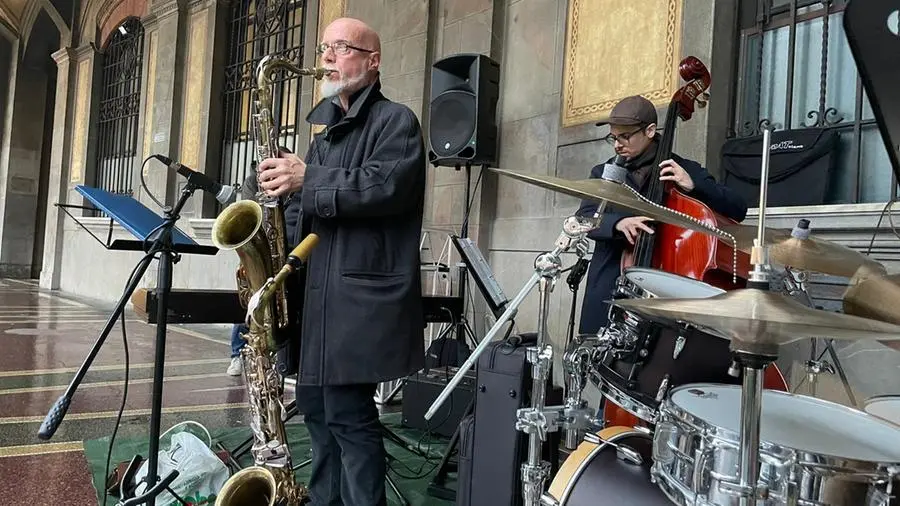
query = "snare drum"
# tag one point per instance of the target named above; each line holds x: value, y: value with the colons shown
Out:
x: 886, y: 407
x: 600, y: 474
x: 812, y: 452
x: 647, y: 358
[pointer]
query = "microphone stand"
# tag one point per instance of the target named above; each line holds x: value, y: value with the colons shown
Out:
x: 163, y: 245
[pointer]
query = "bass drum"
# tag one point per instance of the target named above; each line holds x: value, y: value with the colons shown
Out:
x: 599, y: 473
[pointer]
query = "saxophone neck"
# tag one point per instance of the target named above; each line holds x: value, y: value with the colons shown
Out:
x: 271, y: 63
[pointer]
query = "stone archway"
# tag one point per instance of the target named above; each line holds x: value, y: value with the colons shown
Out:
x: 26, y: 147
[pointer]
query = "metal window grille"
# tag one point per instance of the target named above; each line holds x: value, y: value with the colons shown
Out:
x: 258, y: 28
x: 796, y: 71
x: 120, y: 100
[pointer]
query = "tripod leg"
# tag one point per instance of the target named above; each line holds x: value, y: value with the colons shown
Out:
x: 829, y: 345
x: 390, y: 481
x: 399, y: 441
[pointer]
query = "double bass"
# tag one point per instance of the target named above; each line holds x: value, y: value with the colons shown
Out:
x: 703, y: 257
x: 673, y: 249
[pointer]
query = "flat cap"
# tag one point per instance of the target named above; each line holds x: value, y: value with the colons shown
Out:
x: 633, y: 110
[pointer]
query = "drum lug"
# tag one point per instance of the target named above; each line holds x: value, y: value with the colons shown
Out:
x: 679, y: 345
x: 759, y: 493
x: 663, y: 388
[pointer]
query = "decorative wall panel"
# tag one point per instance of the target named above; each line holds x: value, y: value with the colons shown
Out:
x: 79, y: 141
x: 618, y: 48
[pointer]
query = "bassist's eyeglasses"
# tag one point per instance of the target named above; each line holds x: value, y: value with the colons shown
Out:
x: 623, y: 138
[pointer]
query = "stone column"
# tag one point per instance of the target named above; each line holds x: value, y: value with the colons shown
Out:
x: 6, y: 128
x: 199, y: 136
x: 25, y: 143
x: 161, y: 122
x: 60, y: 155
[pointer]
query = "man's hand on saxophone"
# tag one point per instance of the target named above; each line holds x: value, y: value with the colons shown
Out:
x: 281, y: 176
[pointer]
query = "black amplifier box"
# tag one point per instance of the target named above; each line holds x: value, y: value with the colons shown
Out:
x: 421, y: 390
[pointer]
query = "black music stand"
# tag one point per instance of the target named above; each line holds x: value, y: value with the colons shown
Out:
x: 155, y: 235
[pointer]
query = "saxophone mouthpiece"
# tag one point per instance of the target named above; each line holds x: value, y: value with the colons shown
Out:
x: 320, y: 72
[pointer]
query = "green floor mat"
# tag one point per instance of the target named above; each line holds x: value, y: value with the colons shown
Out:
x: 412, y: 473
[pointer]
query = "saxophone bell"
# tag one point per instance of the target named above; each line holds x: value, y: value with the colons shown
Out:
x: 251, y: 486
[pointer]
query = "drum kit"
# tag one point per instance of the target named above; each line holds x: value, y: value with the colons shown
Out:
x: 705, y: 433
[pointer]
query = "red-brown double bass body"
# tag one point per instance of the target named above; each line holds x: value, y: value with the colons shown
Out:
x: 695, y: 255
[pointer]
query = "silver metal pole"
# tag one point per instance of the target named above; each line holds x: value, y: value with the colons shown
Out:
x: 535, y: 470
x: 751, y: 410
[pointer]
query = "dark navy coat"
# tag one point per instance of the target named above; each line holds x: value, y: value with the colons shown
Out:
x: 363, y: 195
x: 609, y: 243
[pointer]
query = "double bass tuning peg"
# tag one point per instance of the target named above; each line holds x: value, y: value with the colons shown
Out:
x: 703, y: 100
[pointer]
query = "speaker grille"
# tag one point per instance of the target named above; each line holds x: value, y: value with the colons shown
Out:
x: 452, y: 122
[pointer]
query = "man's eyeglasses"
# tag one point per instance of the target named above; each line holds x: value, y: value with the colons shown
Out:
x: 339, y: 47
x: 623, y: 138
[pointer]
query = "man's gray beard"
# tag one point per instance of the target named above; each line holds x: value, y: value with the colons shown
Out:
x: 330, y: 89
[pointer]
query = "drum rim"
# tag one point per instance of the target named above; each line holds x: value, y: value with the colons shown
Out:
x: 876, y: 399
x: 622, y: 399
x: 670, y: 275
x: 669, y: 408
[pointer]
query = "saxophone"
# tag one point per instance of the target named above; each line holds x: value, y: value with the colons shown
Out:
x: 255, y: 230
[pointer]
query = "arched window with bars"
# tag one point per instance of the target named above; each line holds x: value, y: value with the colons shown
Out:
x: 119, y: 111
x: 257, y: 28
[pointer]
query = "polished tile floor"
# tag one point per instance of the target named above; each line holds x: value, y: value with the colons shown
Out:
x: 46, y: 337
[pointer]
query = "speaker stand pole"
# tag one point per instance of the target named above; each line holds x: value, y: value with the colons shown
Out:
x: 464, y: 234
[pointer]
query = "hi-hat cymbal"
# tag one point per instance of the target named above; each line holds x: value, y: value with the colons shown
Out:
x: 811, y: 254
x: 759, y: 321
x: 617, y: 194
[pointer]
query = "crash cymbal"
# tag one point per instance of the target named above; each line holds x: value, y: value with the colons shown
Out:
x: 617, y: 194
x: 759, y: 321
x: 875, y: 298
x: 811, y: 253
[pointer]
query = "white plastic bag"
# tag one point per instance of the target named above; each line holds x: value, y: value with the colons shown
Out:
x: 201, y: 474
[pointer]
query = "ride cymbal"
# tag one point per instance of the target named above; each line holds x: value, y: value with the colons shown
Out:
x: 759, y: 321
x: 810, y: 254
x: 598, y: 190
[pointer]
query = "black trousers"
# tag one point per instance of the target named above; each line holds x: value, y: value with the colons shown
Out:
x: 349, y: 461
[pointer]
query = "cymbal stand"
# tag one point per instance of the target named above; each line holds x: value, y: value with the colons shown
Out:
x: 795, y: 282
x: 537, y: 420
x: 752, y: 359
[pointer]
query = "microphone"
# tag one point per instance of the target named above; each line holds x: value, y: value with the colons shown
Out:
x: 224, y: 194
x: 616, y: 170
